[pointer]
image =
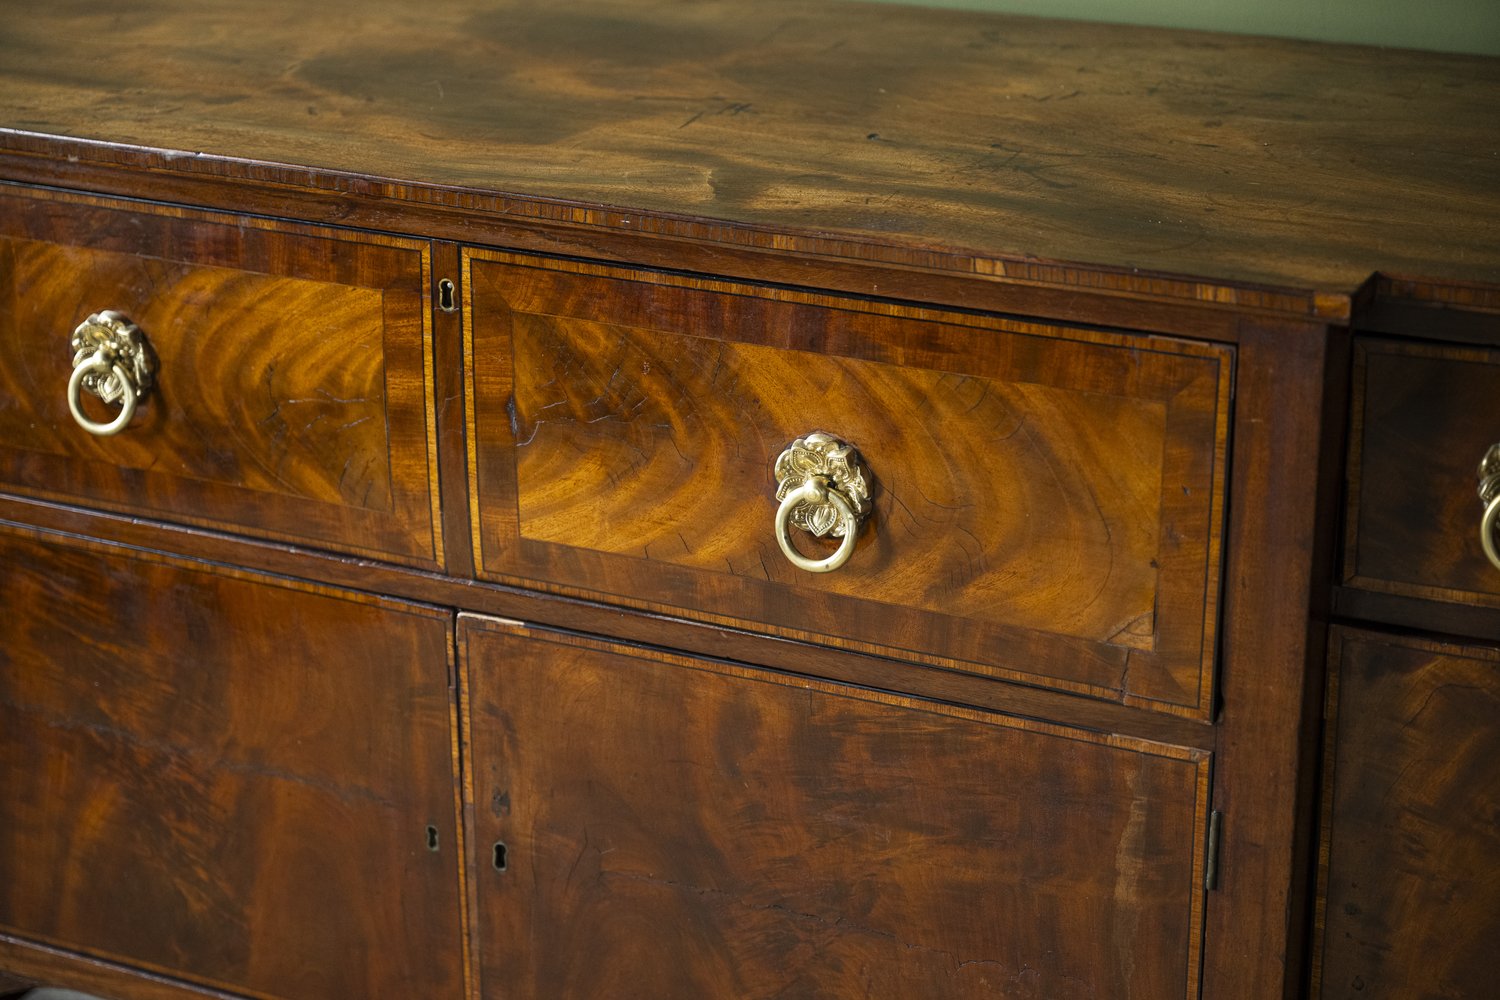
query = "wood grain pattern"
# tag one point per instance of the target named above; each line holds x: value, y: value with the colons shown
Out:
x: 1289, y: 419
x: 226, y: 779
x: 1237, y: 191
x: 1148, y: 155
x: 698, y: 830
x: 293, y: 388
x: 11, y: 986
x: 1043, y: 507
x: 1410, y: 900
x: 69, y: 970
x: 594, y: 617
x: 1424, y: 415
x: 817, y: 260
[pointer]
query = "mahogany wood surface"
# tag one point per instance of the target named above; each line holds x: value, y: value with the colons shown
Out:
x: 656, y: 825
x: 292, y: 397
x: 1280, y: 539
x: 569, y: 610
x: 105, y: 980
x: 1047, y: 501
x: 1411, y: 863
x: 230, y: 780
x: 1277, y: 172
x: 985, y: 771
x: 1129, y: 301
x: 449, y: 375
x: 1424, y: 415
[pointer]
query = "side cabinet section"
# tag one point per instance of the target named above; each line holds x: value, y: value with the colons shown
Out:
x: 651, y: 824
x: 234, y: 780
x: 1411, y: 859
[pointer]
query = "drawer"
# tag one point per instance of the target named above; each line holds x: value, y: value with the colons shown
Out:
x: 1410, y: 882
x: 703, y: 830
x: 226, y: 779
x: 1424, y: 415
x: 290, y: 398
x: 1045, y: 503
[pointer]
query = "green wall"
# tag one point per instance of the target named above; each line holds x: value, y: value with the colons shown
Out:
x: 1447, y: 25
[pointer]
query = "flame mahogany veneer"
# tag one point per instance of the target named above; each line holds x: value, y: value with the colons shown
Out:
x: 425, y: 633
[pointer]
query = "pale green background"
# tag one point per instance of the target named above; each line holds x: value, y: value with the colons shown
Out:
x: 1446, y: 25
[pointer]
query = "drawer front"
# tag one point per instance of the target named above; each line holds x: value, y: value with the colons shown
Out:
x: 1410, y: 898
x: 1424, y: 416
x: 224, y: 779
x: 291, y: 387
x: 1046, y: 503
x: 699, y: 830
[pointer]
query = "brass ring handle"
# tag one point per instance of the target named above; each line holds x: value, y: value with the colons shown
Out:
x: 112, y: 360
x: 1489, y: 495
x: 816, y: 491
x: 1487, y: 531
x: 99, y: 365
x: 822, y: 489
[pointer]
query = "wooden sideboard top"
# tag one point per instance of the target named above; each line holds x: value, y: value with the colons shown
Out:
x: 1239, y: 170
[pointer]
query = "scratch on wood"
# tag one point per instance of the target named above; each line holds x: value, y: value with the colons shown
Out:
x: 515, y: 424
x: 732, y: 109
x: 1440, y: 689
x: 911, y: 520
x: 1137, y: 633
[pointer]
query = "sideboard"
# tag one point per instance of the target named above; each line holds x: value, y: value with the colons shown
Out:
x: 691, y: 499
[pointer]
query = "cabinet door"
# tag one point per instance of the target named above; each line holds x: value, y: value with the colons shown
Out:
x: 654, y: 825
x: 226, y: 779
x: 1411, y: 867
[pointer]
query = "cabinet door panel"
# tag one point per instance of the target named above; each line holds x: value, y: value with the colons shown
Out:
x: 670, y: 827
x: 226, y: 779
x: 1411, y: 874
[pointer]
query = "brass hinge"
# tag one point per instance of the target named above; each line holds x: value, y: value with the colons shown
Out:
x: 1211, y: 864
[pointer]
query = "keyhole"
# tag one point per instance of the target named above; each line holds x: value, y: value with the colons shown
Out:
x: 432, y: 838
x: 447, y: 296
x: 499, y: 856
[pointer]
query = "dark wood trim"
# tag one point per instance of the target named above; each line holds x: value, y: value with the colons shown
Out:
x: 1418, y: 614
x: 1272, y: 655
x: 962, y: 284
x: 12, y: 987
x: 448, y: 391
x: 50, y: 966
x: 472, y: 209
x: 1463, y: 312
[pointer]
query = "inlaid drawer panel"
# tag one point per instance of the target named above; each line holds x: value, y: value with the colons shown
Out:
x: 237, y: 781
x: 1045, y: 502
x: 291, y: 387
x: 657, y: 825
x: 1424, y: 415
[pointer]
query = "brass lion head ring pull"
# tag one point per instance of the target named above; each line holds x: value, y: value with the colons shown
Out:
x: 822, y: 488
x: 1489, y: 495
x: 112, y: 360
